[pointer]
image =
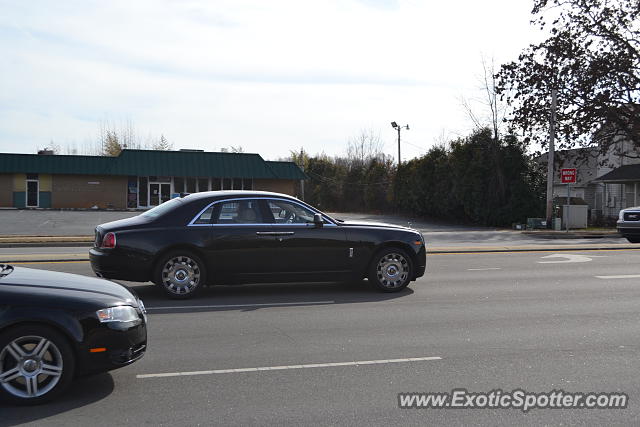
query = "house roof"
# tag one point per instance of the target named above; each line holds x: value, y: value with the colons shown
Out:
x: 154, y: 162
x: 622, y: 174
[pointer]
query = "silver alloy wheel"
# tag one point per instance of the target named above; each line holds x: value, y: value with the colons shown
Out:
x: 392, y: 270
x: 30, y: 366
x: 180, y: 275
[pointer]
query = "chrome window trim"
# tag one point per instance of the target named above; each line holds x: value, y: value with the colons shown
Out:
x: 195, y: 218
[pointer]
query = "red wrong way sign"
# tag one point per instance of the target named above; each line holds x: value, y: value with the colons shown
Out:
x: 568, y: 176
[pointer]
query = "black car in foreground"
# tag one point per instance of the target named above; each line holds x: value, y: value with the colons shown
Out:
x: 54, y: 326
x: 227, y: 237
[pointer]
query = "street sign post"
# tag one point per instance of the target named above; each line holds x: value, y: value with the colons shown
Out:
x: 568, y: 176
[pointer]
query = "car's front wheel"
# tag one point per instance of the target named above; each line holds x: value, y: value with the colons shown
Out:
x: 36, y: 364
x: 391, y: 270
x: 180, y: 274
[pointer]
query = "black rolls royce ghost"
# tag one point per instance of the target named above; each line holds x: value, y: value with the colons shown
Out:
x: 54, y: 326
x: 226, y: 237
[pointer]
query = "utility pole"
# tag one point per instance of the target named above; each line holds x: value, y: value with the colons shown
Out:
x: 551, y: 159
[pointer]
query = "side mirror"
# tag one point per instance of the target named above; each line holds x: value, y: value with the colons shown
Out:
x: 317, y: 220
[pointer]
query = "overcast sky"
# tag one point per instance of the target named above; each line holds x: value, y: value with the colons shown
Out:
x: 270, y: 76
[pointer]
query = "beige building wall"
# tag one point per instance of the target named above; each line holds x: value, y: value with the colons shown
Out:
x: 19, y: 182
x: 286, y: 186
x: 86, y: 191
x: 6, y: 190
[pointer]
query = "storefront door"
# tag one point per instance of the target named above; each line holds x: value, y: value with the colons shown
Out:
x: 159, y: 193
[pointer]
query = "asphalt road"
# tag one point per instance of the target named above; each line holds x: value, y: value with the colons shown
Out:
x: 536, y: 321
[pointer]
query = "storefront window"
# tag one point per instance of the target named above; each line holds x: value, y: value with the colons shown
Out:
x: 143, y: 193
x: 216, y: 184
x: 178, y: 185
x: 203, y: 184
x: 191, y: 185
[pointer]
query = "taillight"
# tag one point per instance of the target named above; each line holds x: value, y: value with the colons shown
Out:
x: 109, y: 241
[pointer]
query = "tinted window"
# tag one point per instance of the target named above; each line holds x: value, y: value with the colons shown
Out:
x: 205, y: 217
x: 239, y: 212
x: 290, y: 213
x: 162, y: 209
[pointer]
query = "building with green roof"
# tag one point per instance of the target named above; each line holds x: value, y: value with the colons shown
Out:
x: 135, y: 179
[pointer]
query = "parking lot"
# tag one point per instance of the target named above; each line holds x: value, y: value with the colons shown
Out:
x: 340, y: 353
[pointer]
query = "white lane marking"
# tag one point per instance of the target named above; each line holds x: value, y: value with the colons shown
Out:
x: 275, y: 304
x: 567, y: 258
x: 484, y: 269
x: 287, y: 367
x: 620, y: 276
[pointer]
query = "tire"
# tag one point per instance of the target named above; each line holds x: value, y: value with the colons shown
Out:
x: 633, y: 239
x: 180, y: 274
x: 391, y: 270
x: 36, y: 364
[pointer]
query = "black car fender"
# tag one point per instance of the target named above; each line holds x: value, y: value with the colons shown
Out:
x: 57, y: 319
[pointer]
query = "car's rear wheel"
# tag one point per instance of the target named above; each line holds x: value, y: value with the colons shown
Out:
x: 36, y: 364
x: 633, y: 239
x: 391, y: 270
x: 180, y: 274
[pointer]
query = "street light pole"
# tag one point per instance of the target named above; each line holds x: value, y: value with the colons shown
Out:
x: 399, y: 128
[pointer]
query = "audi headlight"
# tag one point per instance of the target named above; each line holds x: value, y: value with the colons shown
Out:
x: 122, y: 313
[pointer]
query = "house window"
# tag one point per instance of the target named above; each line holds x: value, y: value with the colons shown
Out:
x: 629, y: 195
x: 32, y: 190
x: 237, y: 183
x: 216, y: 184
x: 247, y: 184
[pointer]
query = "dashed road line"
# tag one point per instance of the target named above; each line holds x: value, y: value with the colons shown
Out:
x: 287, y: 367
x: 275, y: 304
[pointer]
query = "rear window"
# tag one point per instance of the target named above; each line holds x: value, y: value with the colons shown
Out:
x: 162, y: 209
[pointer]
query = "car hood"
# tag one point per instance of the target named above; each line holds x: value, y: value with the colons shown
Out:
x: 375, y: 225
x: 42, y: 282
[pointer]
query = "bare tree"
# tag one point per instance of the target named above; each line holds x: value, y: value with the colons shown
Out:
x: 163, y: 144
x: 232, y: 149
x: 486, y: 110
x: 365, y: 146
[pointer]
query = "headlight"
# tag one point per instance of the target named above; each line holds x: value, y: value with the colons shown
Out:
x: 122, y: 313
x: 621, y: 215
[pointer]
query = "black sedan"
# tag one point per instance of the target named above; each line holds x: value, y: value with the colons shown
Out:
x: 227, y: 237
x: 54, y: 326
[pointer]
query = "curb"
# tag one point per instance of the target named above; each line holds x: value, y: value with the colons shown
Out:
x: 571, y: 235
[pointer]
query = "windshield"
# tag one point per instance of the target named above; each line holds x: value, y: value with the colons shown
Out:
x: 162, y: 209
